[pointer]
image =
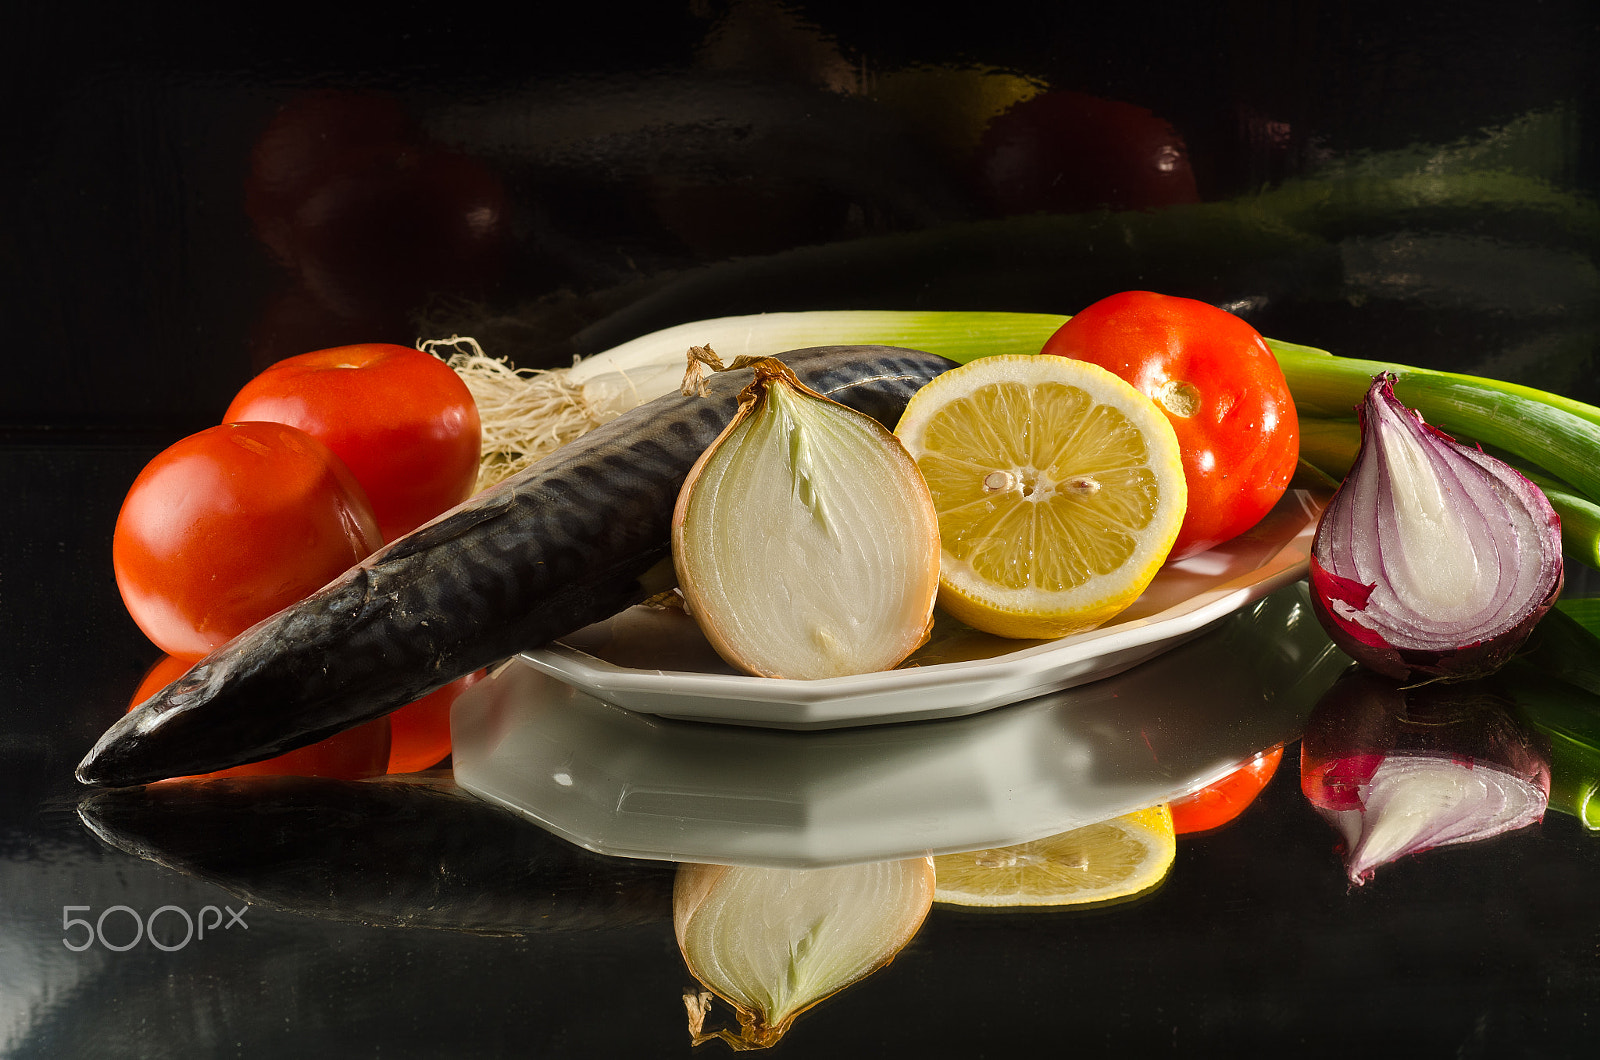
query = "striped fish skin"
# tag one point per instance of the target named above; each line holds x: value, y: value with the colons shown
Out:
x: 567, y: 542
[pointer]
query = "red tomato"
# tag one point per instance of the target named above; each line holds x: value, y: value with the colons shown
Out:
x: 1220, y: 803
x: 400, y: 419
x: 350, y: 755
x: 420, y: 731
x: 230, y: 525
x: 1222, y: 390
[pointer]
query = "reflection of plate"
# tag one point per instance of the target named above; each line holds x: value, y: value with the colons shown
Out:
x: 657, y: 662
x: 628, y: 784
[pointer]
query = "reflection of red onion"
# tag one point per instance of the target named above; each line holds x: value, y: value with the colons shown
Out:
x: 1399, y: 770
x: 1063, y: 152
x: 1433, y: 558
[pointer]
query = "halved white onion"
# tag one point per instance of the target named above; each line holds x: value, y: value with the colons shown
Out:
x: 805, y: 539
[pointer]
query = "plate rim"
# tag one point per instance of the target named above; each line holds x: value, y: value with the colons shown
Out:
x: 1287, y: 562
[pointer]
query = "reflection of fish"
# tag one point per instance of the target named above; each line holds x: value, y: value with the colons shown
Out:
x: 386, y: 853
x: 567, y: 542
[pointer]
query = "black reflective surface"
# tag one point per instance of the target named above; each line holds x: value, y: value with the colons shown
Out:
x: 1411, y: 182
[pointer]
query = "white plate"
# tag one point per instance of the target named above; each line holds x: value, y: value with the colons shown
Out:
x: 657, y: 662
x: 632, y: 785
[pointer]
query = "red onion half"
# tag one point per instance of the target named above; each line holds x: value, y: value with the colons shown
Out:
x: 1433, y: 559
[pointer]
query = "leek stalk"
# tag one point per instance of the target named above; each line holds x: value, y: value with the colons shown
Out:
x: 1546, y: 433
x: 1556, y: 686
x: 1545, y: 430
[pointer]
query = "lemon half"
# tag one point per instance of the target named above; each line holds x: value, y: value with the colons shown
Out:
x: 1059, y: 490
x: 1113, y: 859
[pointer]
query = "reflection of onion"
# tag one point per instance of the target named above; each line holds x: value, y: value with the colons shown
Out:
x: 773, y: 942
x: 1414, y: 803
x: 1433, y: 558
x: 1399, y: 770
x: 1064, y: 152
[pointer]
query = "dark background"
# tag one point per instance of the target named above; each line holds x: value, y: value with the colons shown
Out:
x: 641, y: 150
x: 1414, y: 182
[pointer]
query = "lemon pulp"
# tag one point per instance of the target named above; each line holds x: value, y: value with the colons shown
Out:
x: 1059, y: 490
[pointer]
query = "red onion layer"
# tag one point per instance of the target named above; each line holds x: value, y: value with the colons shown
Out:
x: 1433, y: 559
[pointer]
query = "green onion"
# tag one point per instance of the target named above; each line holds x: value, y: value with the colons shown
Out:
x: 960, y: 336
x: 1585, y: 611
x: 1545, y: 430
x: 528, y: 413
x: 1556, y: 686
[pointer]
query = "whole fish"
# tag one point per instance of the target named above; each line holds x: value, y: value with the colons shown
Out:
x: 569, y: 541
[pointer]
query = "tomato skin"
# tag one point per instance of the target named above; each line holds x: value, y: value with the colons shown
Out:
x: 1220, y: 387
x: 230, y: 525
x: 1216, y: 805
x: 401, y: 419
x: 420, y: 731
x: 355, y: 754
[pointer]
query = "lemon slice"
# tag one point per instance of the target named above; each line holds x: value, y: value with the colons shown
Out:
x: 1059, y: 490
x: 1119, y: 858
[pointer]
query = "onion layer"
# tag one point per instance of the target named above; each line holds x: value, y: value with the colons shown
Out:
x: 1433, y: 559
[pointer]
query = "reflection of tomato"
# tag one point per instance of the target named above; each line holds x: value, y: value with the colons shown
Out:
x: 401, y: 420
x: 227, y: 526
x: 350, y: 755
x: 371, y: 214
x: 421, y: 730
x: 293, y: 320
x: 421, y: 222
x: 1221, y: 388
x: 1220, y: 803
x: 313, y: 138
x: 1064, y: 152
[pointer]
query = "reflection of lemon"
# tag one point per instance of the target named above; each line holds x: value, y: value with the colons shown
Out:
x: 1059, y: 488
x: 1118, y: 858
x: 951, y: 106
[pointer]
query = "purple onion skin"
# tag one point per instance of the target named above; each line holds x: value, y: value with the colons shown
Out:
x: 1336, y: 576
x: 1466, y: 662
